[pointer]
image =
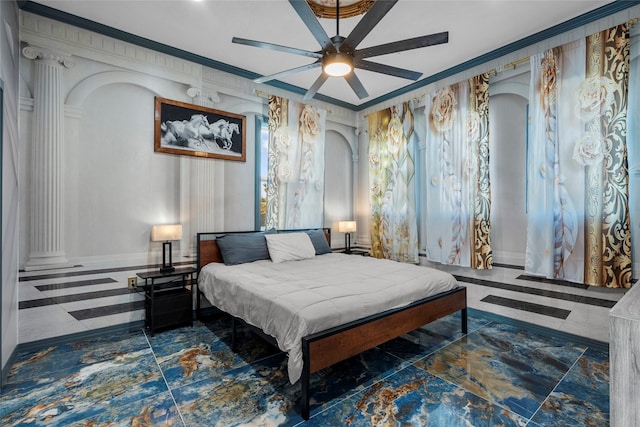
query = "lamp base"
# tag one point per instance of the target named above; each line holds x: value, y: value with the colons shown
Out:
x: 347, y: 243
x: 167, y: 267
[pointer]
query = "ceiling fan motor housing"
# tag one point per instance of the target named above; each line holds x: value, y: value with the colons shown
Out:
x: 337, y: 64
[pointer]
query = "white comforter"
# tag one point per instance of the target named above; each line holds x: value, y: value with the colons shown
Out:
x: 293, y: 299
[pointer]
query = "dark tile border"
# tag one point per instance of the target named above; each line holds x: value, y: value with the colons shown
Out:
x: 562, y: 282
x: 545, y: 310
x: 552, y: 281
x: 100, y: 271
x: 599, y: 302
x: 67, y: 285
x: 73, y: 298
x: 511, y: 266
x: 107, y: 310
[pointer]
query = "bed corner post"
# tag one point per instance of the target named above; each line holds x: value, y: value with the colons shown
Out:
x: 198, y: 267
x: 234, y: 330
x: 463, y: 315
x: 198, y: 304
x: 304, y: 398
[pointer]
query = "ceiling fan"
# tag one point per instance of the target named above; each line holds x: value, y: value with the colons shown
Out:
x: 339, y: 56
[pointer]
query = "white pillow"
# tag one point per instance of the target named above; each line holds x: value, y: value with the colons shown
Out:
x: 289, y: 246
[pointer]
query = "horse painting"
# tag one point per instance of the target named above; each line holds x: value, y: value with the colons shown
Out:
x: 223, y: 131
x: 185, y: 133
x: 194, y: 130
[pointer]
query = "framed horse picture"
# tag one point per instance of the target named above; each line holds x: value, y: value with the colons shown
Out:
x: 193, y: 130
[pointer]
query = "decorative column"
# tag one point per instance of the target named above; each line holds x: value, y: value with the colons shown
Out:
x: 204, y: 206
x: 361, y: 187
x: 202, y: 194
x: 356, y: 214
x: 47, y: 159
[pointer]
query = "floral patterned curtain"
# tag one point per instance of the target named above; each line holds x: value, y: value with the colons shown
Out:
x: 458, y: 193
x: 392, y: 141
x: 295, y: 176
x: 578, y: 211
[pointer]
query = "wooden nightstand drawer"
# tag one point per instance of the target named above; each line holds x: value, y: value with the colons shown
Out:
x: 169, y: 308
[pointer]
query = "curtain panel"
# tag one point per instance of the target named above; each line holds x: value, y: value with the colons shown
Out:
x: 392, y: 144
x: 578, y: 226
x: 458, y: 189
x: 295, y: 174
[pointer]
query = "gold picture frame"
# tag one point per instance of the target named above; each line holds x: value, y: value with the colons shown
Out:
x: 348, y: 8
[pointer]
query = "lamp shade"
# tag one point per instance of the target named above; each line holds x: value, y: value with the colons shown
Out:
x: 346, y: 226
x: 167, y: 232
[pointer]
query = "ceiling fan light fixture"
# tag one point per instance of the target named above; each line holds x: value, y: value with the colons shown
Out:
x: 337, y: 64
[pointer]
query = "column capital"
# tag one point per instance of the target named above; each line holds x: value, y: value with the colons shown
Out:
x: 49, y: 55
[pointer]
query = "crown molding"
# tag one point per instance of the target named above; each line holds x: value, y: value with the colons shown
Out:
x: 586, y: 18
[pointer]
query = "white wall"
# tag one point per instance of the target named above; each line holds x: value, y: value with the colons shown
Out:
x: 9, y: 51
x: 115, y: 189
x: 507, y: 148
x: 116, y: 186
x: 339, y: 185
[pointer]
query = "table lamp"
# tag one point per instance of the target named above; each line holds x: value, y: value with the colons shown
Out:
x: 166, y: 233
x: 347, y: 227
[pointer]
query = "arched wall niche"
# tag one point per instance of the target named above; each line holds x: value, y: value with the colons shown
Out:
x: 507, y: 166
x: 339, y: 183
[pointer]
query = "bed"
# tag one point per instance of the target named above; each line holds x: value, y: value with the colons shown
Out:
x: 320, y: 307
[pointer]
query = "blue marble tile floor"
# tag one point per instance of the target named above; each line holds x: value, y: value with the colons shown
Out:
x: 502, y: 373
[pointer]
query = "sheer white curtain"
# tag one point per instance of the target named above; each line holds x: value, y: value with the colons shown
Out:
x: 457, y: 187
x: 392, y: 141
x: 578, y: 211
x: 295, y: 177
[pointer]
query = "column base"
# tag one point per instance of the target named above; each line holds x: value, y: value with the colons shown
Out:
x: 47, y: 263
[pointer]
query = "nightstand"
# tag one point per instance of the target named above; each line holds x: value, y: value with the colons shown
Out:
x: 168, y: 298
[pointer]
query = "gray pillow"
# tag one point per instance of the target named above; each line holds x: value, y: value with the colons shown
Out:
x: 319, y: 241
x: 242, y: 247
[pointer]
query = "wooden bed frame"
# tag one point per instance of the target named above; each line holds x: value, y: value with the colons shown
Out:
x: 326, y: 348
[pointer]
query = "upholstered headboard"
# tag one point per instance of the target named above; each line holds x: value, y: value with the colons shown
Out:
x: 209, y: 252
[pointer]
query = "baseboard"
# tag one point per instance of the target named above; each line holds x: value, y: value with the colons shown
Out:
x: 32, y: 346
x: 6, y: 368
x: 565, y: 336
x: 509, y: 258
x: 151, y: 258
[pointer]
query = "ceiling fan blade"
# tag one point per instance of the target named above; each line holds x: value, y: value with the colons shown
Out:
x: 306, y: 14
x: 315, y: 86
x: 368, y: 21
x: 287, y: 72
x: 272, y: 46
x: 402, y: 45
x: 386, y: 69
x: 356, y: 85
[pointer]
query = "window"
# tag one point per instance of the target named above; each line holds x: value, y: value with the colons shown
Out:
x: 262, y: 165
